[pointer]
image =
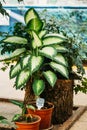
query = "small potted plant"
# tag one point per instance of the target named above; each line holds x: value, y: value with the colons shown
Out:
x: 35, y: 57
x: 44, y: 110
x: 23, y: 120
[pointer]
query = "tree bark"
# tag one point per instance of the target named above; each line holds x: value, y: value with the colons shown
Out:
x: 62, y: 98
x: 29, y: 94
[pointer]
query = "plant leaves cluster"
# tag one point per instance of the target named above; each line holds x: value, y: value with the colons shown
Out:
x: 73, y: 49
x: 23, y: 116
x: 35, y: 54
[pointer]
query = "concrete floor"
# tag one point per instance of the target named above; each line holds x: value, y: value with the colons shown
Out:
x: 81, y: 123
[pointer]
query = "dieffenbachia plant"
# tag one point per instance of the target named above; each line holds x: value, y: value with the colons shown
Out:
x: 39, y: 57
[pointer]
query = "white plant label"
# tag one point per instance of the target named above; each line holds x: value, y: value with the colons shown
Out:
x: 40, y: 103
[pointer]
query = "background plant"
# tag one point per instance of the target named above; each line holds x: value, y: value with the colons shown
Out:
x: 72, y: 24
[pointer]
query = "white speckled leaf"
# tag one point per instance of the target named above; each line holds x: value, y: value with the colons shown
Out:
x: 22, y: 78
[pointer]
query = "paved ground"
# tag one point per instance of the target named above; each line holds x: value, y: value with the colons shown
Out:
x: 8, y: 110
x: 81, y: 123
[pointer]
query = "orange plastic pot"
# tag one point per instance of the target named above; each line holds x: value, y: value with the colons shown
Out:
x: 29, y: 126
x: 45, y: 114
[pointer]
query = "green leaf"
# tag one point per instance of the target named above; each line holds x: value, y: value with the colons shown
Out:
x: 30, y: 14
x: 60, y: 48
x: 50, y: 77
x: 31, y: 107
x: 60, y: 59
x: 22, y: 78
x: 15, y: 53
x: 38, y: 87
x: 2, y: 117
x: 60, y: 68
x: 53, y: 39
x: 36, y: 42
x: 35, y: 24
x: 16, y: 117
x: 42, y: 33
x: 56, y: 35
x: 15, y: 40
x: 15, y: 70
x: 25, y: 61
x: 35, y: 63
x: 48, y: 52
x: 3, y: 120
x: 18, y: 103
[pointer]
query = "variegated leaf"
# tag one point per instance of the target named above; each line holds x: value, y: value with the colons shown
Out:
x: 48, y: 52
x: 18, y: 52
x: 25, y: 61
x: 15, y: 70
x: 60, y: 48
x: 36, y: 42
x: 22, y: 78
x: 57, y: 35
x: 35, y: 24
x: 60, y: 68
x: 53, y: 39
x: 60, y: 59
x: 15, y: 53
x: 30, y: 14
x: 42, y: 33
x: 50, y: 77
x: 15, y: 39
x: 38, y: 87
x: 35, y: 63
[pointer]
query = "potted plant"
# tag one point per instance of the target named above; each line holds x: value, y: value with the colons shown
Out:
x: 23, y: 120
x: 36, y: 57
x: 45, y: 112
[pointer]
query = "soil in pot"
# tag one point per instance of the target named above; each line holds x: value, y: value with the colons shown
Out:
x: 31, y: 123
x: 45, y: 113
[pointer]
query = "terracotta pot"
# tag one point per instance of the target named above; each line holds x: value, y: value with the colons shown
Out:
x: 29, y: 126
x: 45, y: 115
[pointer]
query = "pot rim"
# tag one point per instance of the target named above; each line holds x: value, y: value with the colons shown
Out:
x: 52, y: 106
x: 27, y: 123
